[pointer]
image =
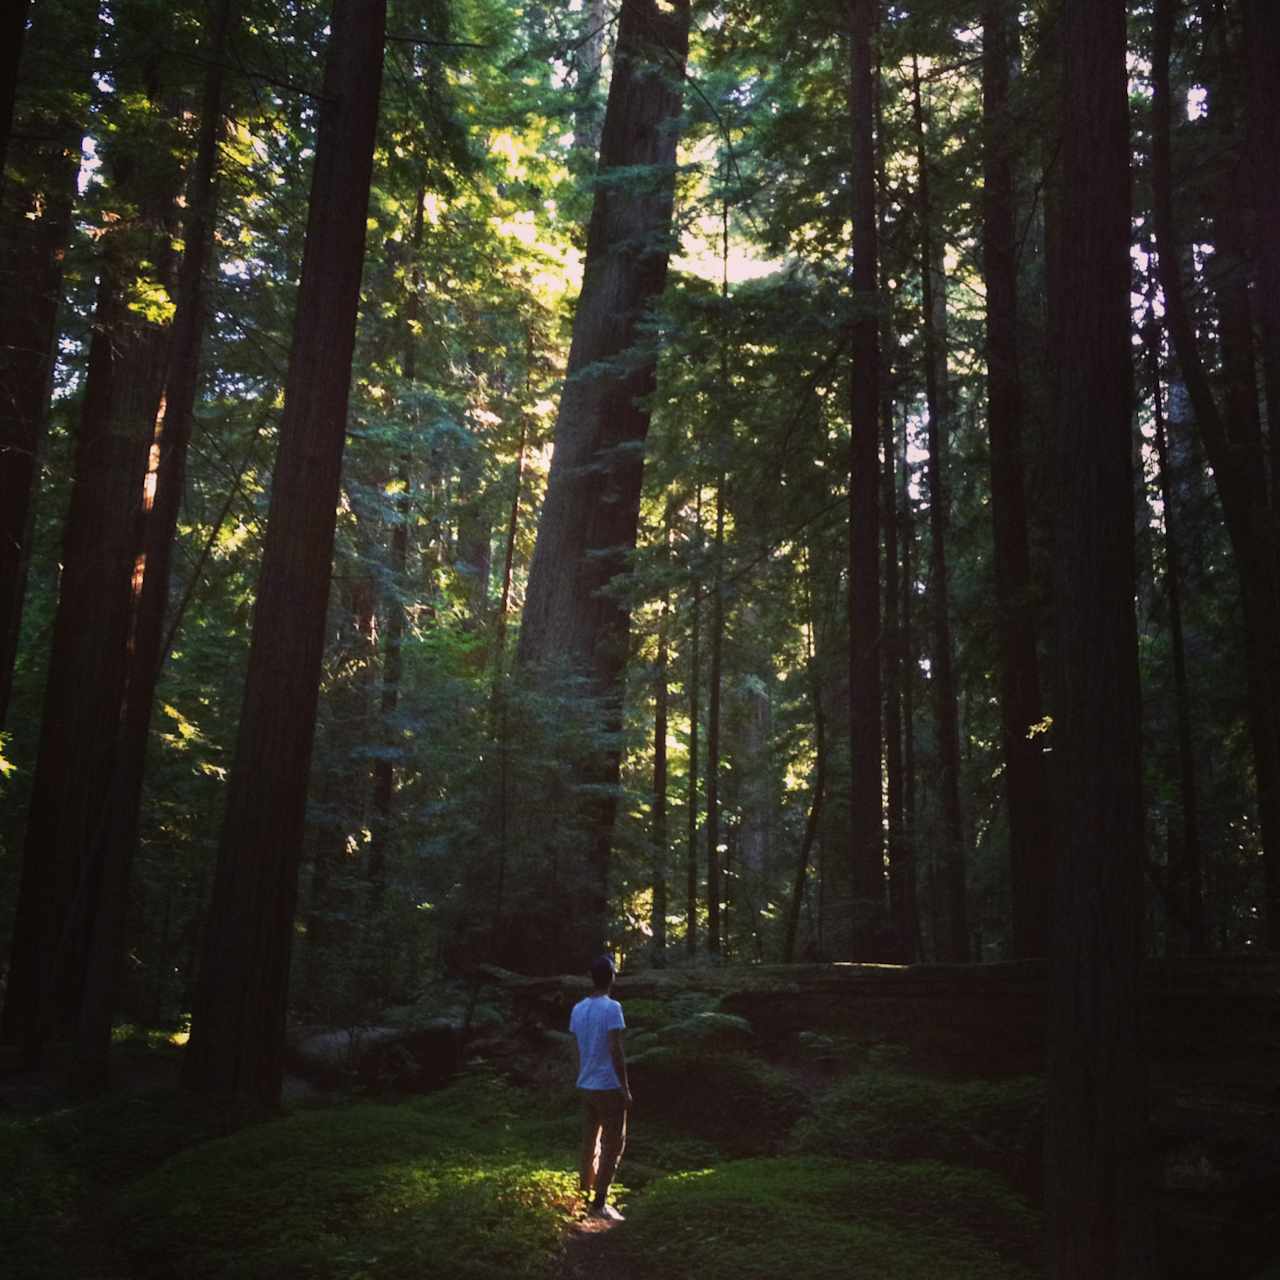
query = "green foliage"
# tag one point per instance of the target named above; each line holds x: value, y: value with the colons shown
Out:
x: 881, y: 1115
x: 828, y: 1219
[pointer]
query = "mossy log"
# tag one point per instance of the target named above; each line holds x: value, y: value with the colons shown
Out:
x: 987, y: 1018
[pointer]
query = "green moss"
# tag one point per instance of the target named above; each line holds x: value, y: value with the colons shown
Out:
x: 450, y: 1185
x: 884, y: 1115
x: 757, y: 1219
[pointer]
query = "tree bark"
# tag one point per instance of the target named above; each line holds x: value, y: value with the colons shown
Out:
x: 866, y: 839
x: 942, y: 674
x: 1026, y: 791
x: 713, y: 728
x: 60, y: 880
x: 695, y: 678
x: 574, y: 616
x: 113, y: 844
x: 238, y: 1014
x: 36, y: 201
x: 1096, y: 1154
x: 660, y: 839
x: 14, y: 29
x: 1187, y: 876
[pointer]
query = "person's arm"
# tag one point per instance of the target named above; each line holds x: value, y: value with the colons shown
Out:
x: 619, y: 1057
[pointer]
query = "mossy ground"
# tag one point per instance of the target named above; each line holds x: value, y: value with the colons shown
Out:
x: 737, y: 1168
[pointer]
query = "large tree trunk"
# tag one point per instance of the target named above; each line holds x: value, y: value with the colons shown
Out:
x: 866, y: 838
x: 1030, y: 830
x: 60, y: 881
x: 1236, y: 452
x: 1096, y: 1157
x: 111, y: 854
x: 942, y: 673
x: 238, y: 1014
x: 36, y: 200
x: 574, y: 616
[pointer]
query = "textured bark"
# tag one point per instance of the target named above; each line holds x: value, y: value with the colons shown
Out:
x: 1235, y: 450
x: 942, y: 674
x: 866, y: 840
x: 1026, y: 797
x: 36, y: 200
x: 238, y: 1014
x: 114, y: 842
x: 587, y: 116
x: 574, y: 616
x: 1096, y: 1156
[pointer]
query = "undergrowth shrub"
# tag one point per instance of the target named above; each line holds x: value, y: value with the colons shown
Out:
x: 828, y: 1220
x: 891, y: 1116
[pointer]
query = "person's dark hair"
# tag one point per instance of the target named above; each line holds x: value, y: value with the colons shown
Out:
x: 602, y: 972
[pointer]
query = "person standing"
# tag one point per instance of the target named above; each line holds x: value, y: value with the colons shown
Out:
x: 597, y: 1025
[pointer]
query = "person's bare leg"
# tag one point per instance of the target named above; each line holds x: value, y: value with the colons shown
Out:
x: 590, y: 1154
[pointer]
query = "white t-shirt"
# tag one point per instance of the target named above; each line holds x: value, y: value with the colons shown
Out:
x: 591, y: 1021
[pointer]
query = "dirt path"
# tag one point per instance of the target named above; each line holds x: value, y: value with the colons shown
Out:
x: 591, y: 1251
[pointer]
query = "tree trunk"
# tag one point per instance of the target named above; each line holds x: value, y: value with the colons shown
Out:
x: 36, y: 201
x: 128, y: 355
x: 1096, y: 1157
x: 13, y: 29
x: 866, y: 840
x: 589, y: 56
x: 1236, y: 453
x: 238, y: 1014
x: 114, y: 842
x: 661, y: 697
x: 1262, y: 40
x: 1187, y: 876
x: 713, y: 728
x: 942, y: 674
x: 1026, y: 795
x: 574, y: 617
x: 695, y: 711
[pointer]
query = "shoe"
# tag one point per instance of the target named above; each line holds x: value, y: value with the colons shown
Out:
x: 606, y: 1212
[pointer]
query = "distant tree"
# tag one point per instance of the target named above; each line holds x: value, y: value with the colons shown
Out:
x: 238, y: 1013
x: 865, y: 811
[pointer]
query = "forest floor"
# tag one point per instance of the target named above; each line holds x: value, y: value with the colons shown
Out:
x: 819, y: 1153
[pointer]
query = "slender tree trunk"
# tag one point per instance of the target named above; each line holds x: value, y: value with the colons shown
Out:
x: 942, y: 673
x: 238, y: 1015
x: 866, y: 838
x: 35, y: 224
x: 1236, y: 454
x: 1026, y: 793
x: 114, y: 842
x: 384, y: 767
x: 907, y: 543
x: 1096, y: 1159
x: 574, y: 618
x: 1187, y: 876
x: 660, y: 838
x: 695, y: 711
x: 587, y: 116
x: 713, y: 729
x: 1262, y: 40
